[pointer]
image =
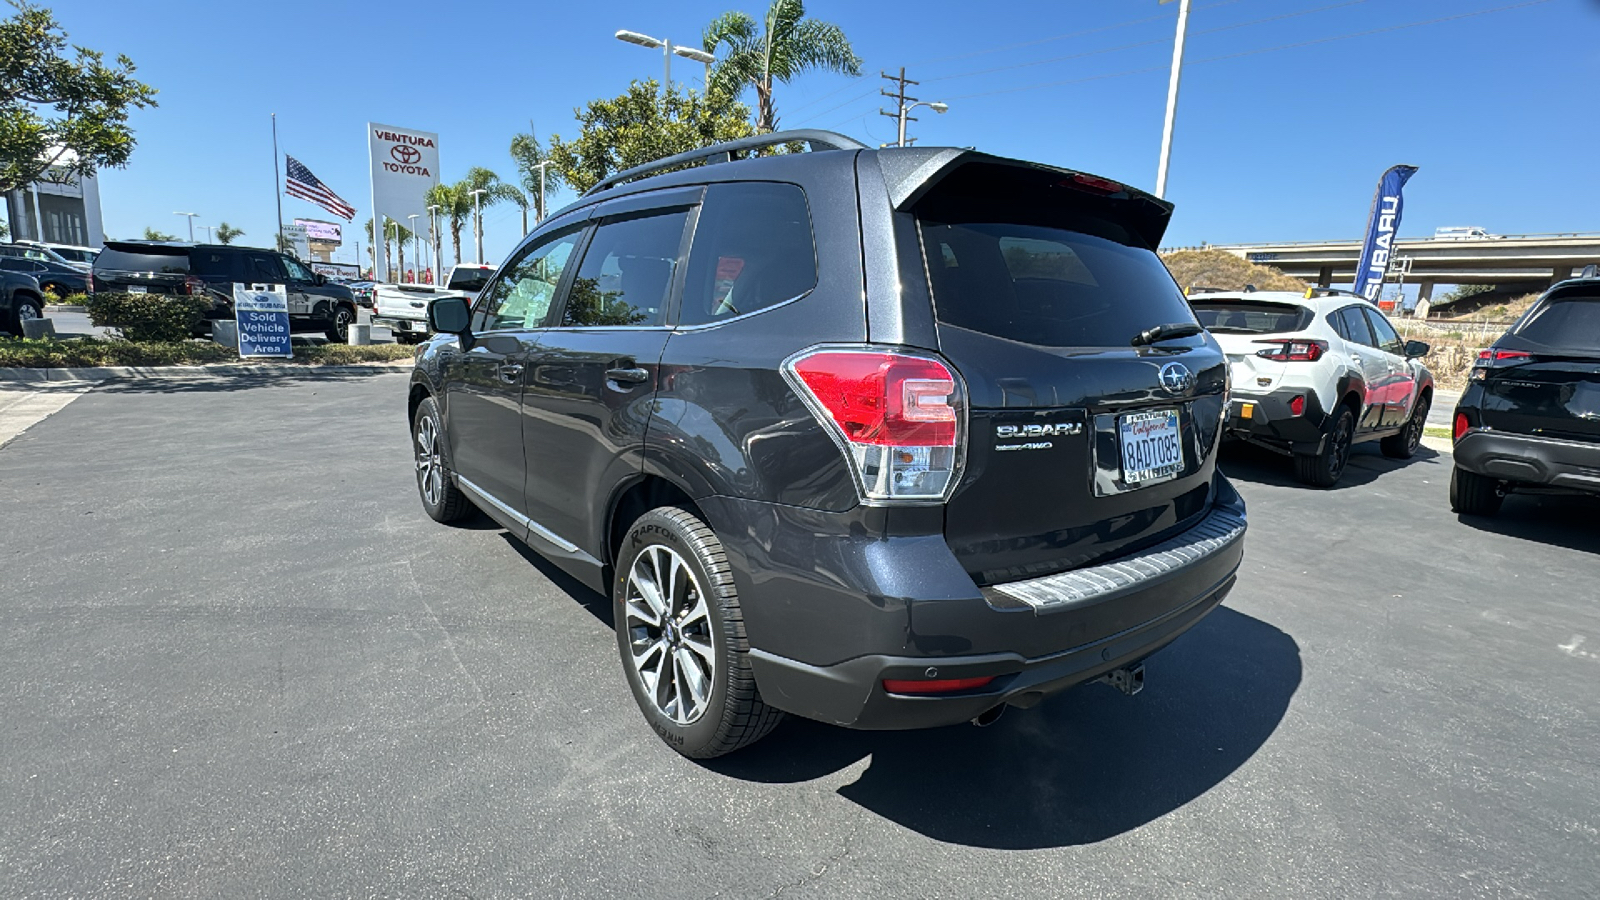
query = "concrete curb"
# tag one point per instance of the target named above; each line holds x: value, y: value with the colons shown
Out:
x: 182, y: 373
x: 50, y: 309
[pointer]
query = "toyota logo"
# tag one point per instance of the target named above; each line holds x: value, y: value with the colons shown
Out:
x: 1176, y: 378
x: 405, y: 155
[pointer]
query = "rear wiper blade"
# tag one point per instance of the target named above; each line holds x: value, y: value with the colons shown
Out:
x: 1167, y: 332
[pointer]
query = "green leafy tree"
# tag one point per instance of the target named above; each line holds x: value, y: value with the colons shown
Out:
x: 65, y: 116
x: 227, y: 234
x: 528, y: 153
x: 5, y: 233
x: 642, y: 126
x: 150, y: 234
x: 784, y: 45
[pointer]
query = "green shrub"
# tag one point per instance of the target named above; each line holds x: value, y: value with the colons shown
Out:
x: 77, y: 352
x: 149, y: 317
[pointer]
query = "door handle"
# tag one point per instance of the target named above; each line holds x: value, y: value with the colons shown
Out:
x: 633, y: 375
x: 509, y: 372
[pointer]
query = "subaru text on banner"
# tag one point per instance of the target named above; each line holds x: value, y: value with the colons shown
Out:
x: 884, y: 438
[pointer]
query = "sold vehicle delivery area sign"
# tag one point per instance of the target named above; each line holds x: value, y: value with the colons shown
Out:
x: 262, y: 311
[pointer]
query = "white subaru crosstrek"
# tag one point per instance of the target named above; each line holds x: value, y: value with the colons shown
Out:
x: 1315, y: 373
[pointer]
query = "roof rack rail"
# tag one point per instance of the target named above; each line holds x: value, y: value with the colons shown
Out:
x: 814, y: 138
x: 1202, y: 289
x: 1331, y: 292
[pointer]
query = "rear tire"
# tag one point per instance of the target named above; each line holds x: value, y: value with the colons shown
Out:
x: 1325, y: 468
x: 1404, y: 445
x: 339, y: 329
x: 684, y: 648
x: 1472, y: 494
x: 24, y: 309
x: 441, y: 499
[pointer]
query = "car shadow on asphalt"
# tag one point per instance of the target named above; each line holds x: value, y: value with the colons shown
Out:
x: 1081, y: 767
x: 275, y: 376
x: 1262, y: 466
x: 1560, y: 521
x: 592, y: 601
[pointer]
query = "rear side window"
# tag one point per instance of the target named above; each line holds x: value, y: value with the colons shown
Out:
x: 112, y: 260
x: 215, y: 263
x: 469, y: 278
x: 753, y: 249
x: 1565, y: 322
x: 1355, y: 326
x: 1243, y: 317
x: 1046, y: 285
x: 626, y: 274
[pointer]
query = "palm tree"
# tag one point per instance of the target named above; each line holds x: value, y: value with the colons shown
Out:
x: 455, y: 205
x: 226, y: 234
x: 455, y: 201
x: 789, y: 44
x: 529, y: 153
x: 150, y: 234
x: 399, y: 234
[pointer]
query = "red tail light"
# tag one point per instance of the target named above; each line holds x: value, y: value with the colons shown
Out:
x: 88, y: 283
x: 1293, y: 350
x: 899, y: 417
x: 1493, y: 355
x: 1094, y: 184
x: 935, y: 685
x: 1495, y: 358
x: 194, y: 286
x: 1297, y: 406
x: 1461, y: 425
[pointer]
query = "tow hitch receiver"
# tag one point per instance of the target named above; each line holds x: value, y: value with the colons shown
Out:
x: 1129, y: 680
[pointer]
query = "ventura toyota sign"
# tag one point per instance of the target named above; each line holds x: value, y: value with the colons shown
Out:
x: 405, y: 164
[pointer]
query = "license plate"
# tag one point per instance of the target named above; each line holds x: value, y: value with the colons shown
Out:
x: 1151, y: 449
x: 137, y: 289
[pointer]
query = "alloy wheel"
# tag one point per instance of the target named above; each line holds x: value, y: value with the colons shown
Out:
x: 669, y: 634
x: 430, y: 465
x: 1419, y: 421
x: 27, y: 312
x: 1339, y: 452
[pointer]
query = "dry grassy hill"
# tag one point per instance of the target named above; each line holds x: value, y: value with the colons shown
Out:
x: 1223, y: 270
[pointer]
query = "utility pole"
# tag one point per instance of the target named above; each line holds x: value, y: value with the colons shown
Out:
x: 901, y: 102
x: 477, y: 222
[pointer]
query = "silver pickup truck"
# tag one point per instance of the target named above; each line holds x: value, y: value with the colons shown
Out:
x: 403, y: 308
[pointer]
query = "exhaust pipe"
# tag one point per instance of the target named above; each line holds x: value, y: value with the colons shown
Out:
x: 989, y: 716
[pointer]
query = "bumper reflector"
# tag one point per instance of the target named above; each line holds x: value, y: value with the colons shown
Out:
x: 1247, y: 410
x: 934, y: 685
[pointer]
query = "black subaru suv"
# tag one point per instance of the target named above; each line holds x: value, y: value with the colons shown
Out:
x: 884, y: 438
x: 211, y: 270
x: 1529, y: 420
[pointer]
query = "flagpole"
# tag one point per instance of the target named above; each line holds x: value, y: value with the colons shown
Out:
x: 277, y: 192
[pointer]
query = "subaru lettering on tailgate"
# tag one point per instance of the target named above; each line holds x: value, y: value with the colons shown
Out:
x: 1151, y: 451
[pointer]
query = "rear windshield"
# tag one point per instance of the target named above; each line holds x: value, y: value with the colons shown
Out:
x: 469, y: 279
x: 1565, y: 322
x: 1245, y: 317
x: 1083, y: 286
x: 112, y: 260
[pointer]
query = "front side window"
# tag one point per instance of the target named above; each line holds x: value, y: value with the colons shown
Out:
x: 298, y: 272
x: 626, y: 274
x: 1388, y: 340
x: 266, y: 269
x: 753, y: 249
x: 1356, y: 327
x: 521, y: 297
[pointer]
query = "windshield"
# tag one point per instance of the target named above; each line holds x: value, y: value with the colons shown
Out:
x: 1247, y: 317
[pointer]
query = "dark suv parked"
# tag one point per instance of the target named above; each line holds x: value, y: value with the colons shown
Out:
x: 21, y: 299
x: 1529, y: 420
x: 884, y: 438
x: 211, y: 270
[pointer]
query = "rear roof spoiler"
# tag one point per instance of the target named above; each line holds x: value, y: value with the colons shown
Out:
x: 911, y: 173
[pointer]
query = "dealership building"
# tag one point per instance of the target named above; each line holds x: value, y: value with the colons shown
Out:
x: 64, y: 212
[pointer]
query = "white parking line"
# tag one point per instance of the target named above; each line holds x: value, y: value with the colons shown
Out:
x: 21, y: 407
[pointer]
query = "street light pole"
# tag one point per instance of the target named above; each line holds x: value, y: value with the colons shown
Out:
x: 416, y: 248
x: 541, y: 167
x: 668, y: 50
x: 438, y: 251
x: 191, y: 223
x: 1172, y: 96
x: 207, y: 230
x: 477, y: 223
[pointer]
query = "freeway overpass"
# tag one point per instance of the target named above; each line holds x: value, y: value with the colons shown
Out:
x: 1529, y: 262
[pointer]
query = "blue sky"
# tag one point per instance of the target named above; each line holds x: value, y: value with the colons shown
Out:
x: 1496, y: 109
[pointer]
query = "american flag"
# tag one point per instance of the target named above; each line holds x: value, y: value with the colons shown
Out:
x: 306, y: 186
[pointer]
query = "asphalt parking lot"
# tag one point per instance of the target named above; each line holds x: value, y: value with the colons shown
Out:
x: 238, y: 660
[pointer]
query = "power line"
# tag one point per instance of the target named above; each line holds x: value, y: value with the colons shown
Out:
x: 1326, y: 40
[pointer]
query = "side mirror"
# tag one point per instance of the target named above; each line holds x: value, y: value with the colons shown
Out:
x: 319, y: 278
x: 1416, y: 349
x: 449, y: 315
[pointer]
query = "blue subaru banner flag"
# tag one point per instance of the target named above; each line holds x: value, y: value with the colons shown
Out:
x: 1383, y: 225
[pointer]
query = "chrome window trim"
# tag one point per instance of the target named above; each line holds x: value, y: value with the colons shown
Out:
x: 532, y: 526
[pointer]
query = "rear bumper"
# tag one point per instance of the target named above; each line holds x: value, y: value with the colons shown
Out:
x: 408, y: 326
x: 1036, y: 638
x: 1526, y: 459
x: 1269, y: 418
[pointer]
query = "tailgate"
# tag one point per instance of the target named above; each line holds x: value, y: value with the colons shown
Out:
x: 1547, y: 378
x: 403, y: 301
